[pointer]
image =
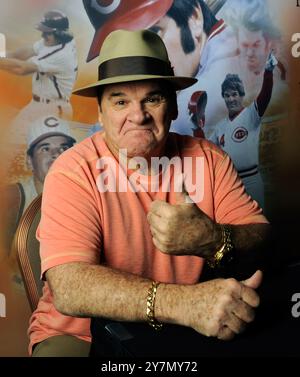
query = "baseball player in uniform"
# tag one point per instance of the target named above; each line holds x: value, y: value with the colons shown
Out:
x: 47, y: 138
x: 52, y: 61
x: 238, y: 134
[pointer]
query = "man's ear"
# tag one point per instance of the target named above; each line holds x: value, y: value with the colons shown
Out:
x: 196, y: 23
x: 99, y: 115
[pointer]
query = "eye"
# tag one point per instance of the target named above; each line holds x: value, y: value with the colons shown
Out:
x: 45, y: 149
x: 155, y: 100
x: 120, y: 103
x: 63, y: 148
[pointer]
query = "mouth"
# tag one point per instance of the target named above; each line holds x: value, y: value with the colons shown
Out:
x: 140, y: 129
x: 251, y: 61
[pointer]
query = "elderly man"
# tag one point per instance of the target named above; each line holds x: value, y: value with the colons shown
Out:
x: 134, y: 249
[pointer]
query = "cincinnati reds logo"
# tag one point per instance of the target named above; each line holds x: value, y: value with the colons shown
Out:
x: 51, y: 122
x: 105, y: 6
x: 239, y: 134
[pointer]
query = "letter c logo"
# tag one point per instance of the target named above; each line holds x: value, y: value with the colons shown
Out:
x: 51, y: 122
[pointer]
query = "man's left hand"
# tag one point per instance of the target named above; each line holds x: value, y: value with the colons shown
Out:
x: 183, y: 229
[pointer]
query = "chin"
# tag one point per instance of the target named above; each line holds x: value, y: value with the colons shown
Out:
x: 252, y: 67
x: 139, y: 151
x: 140, y: 145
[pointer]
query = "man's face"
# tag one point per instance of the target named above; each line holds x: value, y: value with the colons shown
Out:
x: 184, y: 64
x: 45, y: 152
x: 49, y: 39
x: 136, y: 116
x: 233, y: 101
x: 254, y: 49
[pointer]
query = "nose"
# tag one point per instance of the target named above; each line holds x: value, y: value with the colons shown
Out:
x: 250, y: 52
x: 138, y: 114
x: 55, y: 153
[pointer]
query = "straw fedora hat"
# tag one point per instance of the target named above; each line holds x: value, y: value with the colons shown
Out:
x: 133, y: 56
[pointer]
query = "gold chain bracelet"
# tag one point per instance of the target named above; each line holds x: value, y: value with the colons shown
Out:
x: 226, y: 248
x: 152, y: 321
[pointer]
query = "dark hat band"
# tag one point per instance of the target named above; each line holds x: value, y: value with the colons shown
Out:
x: 134, y: 65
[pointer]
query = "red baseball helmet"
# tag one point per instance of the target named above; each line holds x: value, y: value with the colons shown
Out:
x: 198, y: 102
x: 109, y: 15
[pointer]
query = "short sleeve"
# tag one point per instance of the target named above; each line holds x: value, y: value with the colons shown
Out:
x: 70, y: 228
x: 232, y: 204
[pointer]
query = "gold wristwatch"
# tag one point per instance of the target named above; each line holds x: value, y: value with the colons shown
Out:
x: 226, y: 249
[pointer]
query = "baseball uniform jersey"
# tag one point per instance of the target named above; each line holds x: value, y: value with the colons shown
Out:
x: 57, y: 70
x: 239, y: 138
x: 52, y: 86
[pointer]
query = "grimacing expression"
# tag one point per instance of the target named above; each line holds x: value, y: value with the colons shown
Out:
x: 45, y: 153
x: 136, y: 116
x: 254, y: 49
x: 233, y: 101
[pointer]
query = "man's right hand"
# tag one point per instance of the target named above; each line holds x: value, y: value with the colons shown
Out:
x: 221, y: 307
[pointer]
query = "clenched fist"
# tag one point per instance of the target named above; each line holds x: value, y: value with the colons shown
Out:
x: 218, y: 308
x: 183, y: 229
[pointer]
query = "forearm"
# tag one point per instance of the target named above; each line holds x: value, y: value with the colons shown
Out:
x: 250, y: 248
x: 17, y: 67
x: 22, y: 53
x: 265, y: 94
x: 247, y: 238
x: 80, y: 289
x: 84, y: 290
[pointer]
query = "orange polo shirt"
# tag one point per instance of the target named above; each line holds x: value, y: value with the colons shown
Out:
x: 81, y: 222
